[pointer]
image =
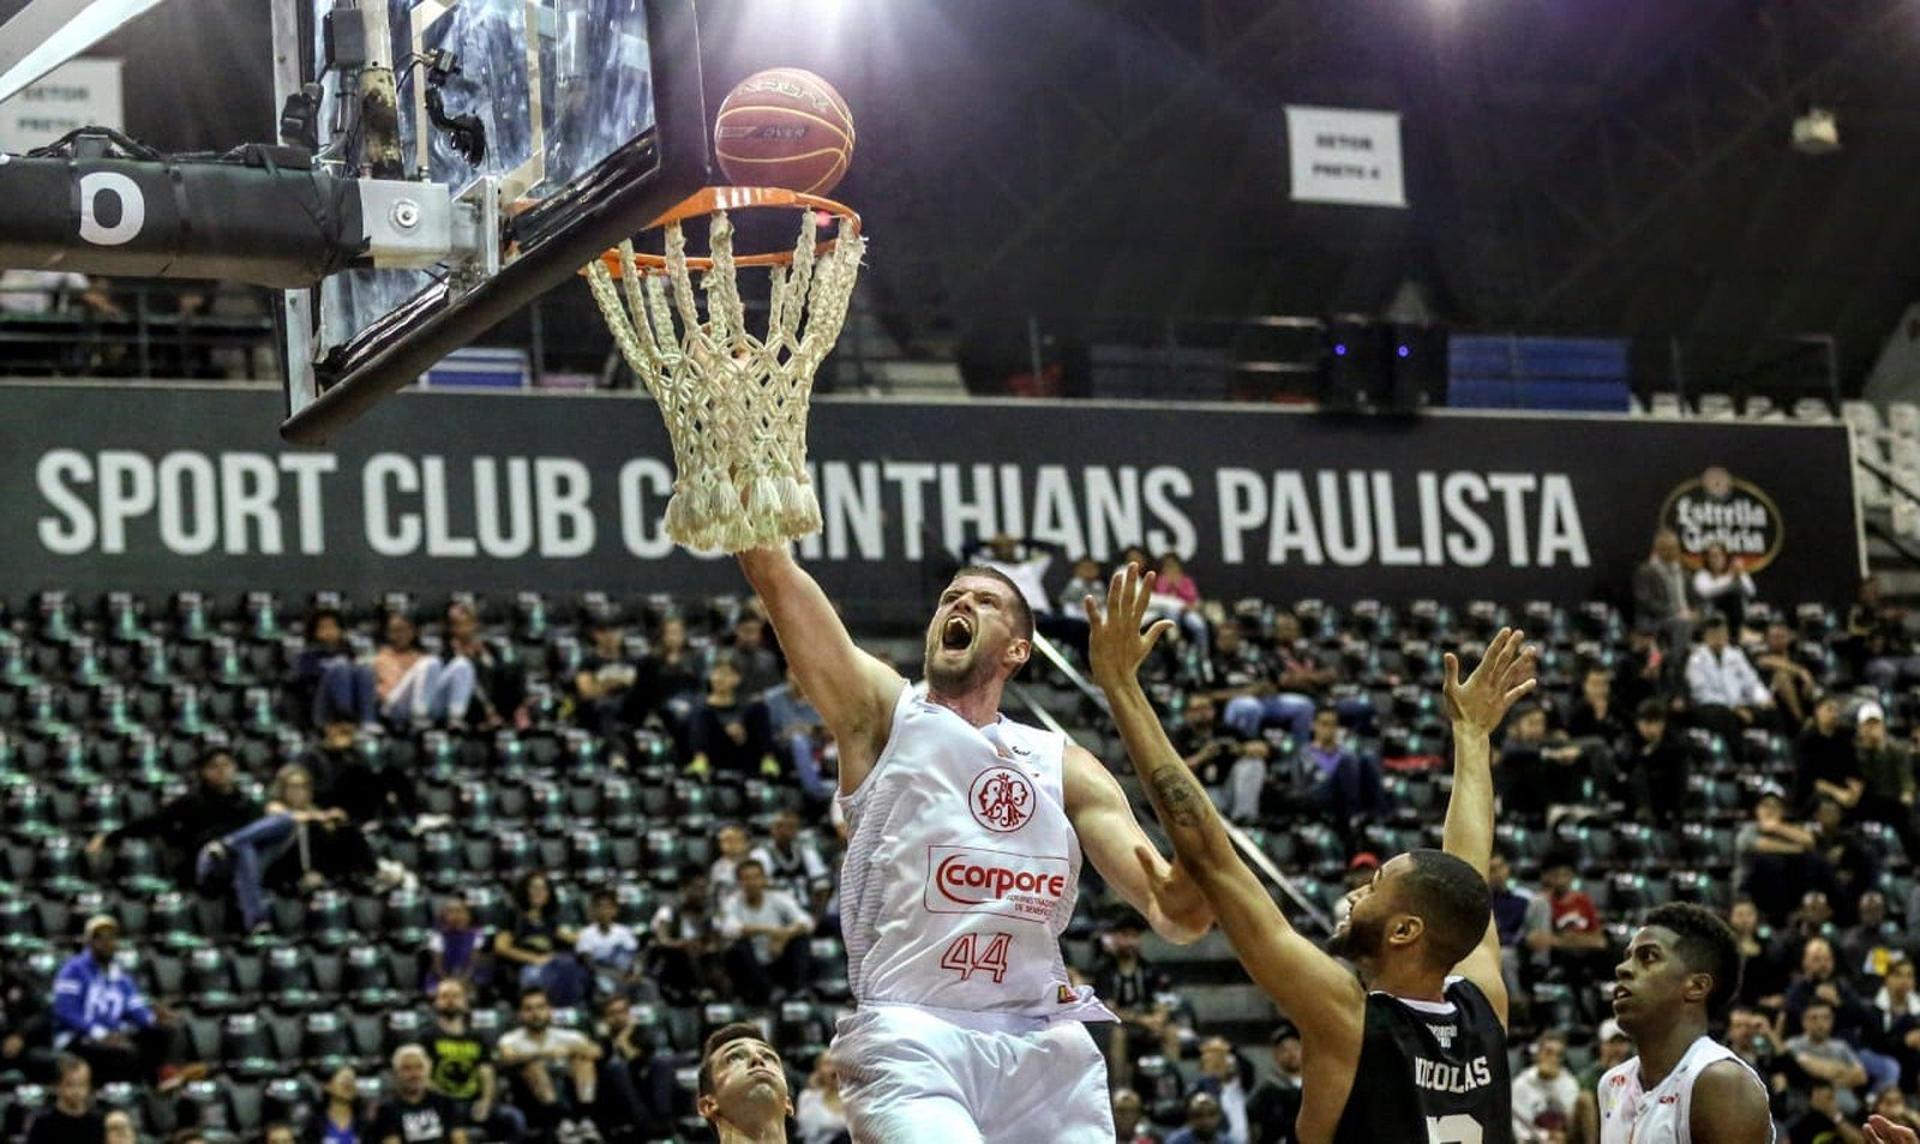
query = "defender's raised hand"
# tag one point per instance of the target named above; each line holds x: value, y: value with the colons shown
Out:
x: 1505, y: 673
x: 1115, y: 644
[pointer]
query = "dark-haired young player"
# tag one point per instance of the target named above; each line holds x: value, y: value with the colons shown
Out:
x: 1417, y: 1053
x: 1681, y: 969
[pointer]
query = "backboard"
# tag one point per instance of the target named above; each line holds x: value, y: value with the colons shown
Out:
x: 591, y: 123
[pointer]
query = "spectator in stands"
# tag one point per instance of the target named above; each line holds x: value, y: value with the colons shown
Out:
x: 412, y: 685
x: 1850, y: 1018
x: 1205, y: 1123
x: 1726, y: 692
x: 1545, y: 1093
x: 462, y: 1065
x: 730, y: 732
x: 767, y: 935
x: 1828, y: 1059
x: 821, y: 1115
x: 26, y: 1033
x: 1574, y: 938
x: 457, y: 949
x: 499, y: 682
x: 1750, y: 1034
x: 742, y: 1087
x: 337, y: 688
x: 1595, y: 720
x: 1535, y: 776
x: 280, y: 1134
x: 357, y: 780
x: 1025, y: 562
x: 26, y: 291
x: 609, y: 950
x: 1654, y: 766
x: 338, y: 1119
x: 1794, y: 687
x: 186, y: 825
x: 1343, y: 786
x: 536, y: 947
x: 636, y: 1087
x: 754, y: 658
x: 1227, y: 1076
x: 684, y: 942
x: 1887, y: 778
x: 1128, y: 1115
x: 1177, y: 598
x: 73, y: 1119
x: 1238, y: 672
x: 1133, y: 990
x: 552, y: 1072
x: 1872, y: 944
x: 1641, y: 671
x: 801, y: 733
x: 793, y: 862
x: 1878, y: 647
x: 1275, y: 1104
x: 1763, y: 981
x: 735, y: 847
x: 1824, y: 1119
x: 1721, y: 586
x: 1891, y: 1104
x: 1612, y: 1047
x: 1070, y: 619
x: 324, y: 845
x: 1850, y: 860
x: 1660, y: 593
x: 1512, y: 907
x: 669, y: 680
x: 610, y: 705
x: 118, y: 1129
x: 1894, y: 1031
x: 1776, y: 858
x: 100, y: 1015
x: 1827, y: 764
x: 415, y: 1114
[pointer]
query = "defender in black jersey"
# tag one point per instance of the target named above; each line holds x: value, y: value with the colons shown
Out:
x: 1418, y: 1053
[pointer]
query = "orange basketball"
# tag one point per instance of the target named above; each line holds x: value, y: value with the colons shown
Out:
x: 784, y: 128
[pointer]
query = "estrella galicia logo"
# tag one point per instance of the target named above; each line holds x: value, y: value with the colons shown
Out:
x: 1718, y: 508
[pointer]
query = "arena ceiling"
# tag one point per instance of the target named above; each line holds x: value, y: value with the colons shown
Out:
x: 1614, y: 166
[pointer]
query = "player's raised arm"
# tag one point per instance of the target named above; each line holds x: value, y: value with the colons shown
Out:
x: 1316, y: 992
x: 1476, y: 707
x: 853, y: 691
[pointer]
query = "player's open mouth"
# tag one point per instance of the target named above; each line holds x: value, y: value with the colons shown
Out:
x: 956, y: 633
x: 1620, y: 991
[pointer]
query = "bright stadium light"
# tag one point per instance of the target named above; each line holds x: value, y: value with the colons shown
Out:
x: 48, y: 33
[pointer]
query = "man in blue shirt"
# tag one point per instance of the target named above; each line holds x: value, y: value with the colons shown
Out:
x: 100, y: 1016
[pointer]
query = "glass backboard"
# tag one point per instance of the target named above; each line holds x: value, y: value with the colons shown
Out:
x: 593, y: 123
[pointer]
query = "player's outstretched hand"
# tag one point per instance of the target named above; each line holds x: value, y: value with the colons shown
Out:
x: 1115, y: 644
x: 1880, y: 1130
x: 1505, y: 673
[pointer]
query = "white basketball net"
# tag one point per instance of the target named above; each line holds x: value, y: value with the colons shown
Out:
x: 735, y: 404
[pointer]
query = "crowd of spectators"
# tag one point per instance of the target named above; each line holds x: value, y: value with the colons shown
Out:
x: 1280, y: 719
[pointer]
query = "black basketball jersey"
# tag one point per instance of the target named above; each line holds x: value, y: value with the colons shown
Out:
x: 1430, y: 1073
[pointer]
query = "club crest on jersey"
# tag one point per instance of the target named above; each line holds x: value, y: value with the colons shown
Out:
x: 1065, y: 995
x: 1001, y: 799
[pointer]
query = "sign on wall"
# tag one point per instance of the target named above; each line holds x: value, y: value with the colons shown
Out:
x: 158, y: 489
x: 1339, y: 155
x: 78, y: 93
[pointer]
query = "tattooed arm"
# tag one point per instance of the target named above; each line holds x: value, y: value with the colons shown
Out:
x: 1314, y: 990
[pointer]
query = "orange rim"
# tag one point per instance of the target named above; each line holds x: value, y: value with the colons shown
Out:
x: 710, y: 199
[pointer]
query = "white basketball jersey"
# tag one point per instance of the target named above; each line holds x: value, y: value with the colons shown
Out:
x: 962, y: 869
x: 1630, y: 1115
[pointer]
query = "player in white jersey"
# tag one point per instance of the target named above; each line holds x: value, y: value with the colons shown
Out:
x: 1682, y: 967
x: 965, y: 838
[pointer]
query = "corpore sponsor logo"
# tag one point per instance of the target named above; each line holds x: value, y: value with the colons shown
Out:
x: 1717, y: 507
x: 964, y: 879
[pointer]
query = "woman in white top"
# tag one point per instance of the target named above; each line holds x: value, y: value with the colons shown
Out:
x: 821, y: 1117
x: 1721, y: 585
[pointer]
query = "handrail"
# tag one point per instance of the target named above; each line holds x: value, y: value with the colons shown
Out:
x: 1254, y: 855
x: 1887, y: 535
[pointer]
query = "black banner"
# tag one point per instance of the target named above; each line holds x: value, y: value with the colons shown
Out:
x: 157, y: 489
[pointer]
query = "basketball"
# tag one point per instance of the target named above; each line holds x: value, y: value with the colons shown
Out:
x: 784, y: 127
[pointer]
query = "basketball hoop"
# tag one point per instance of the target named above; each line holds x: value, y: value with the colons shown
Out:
x: 735, y: 403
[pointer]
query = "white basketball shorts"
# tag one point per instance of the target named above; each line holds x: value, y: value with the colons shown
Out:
x: 909, y: 1075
